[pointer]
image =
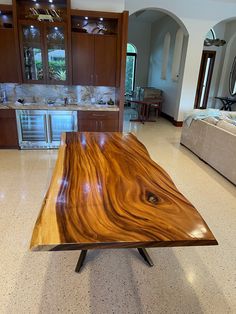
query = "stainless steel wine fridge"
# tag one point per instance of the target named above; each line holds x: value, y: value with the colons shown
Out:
x: 38, y: 129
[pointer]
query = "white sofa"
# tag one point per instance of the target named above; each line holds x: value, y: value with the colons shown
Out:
x: 214, y: 141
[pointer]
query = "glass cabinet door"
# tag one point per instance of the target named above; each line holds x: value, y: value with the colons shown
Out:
x: 32, y: 53
x: 56, y: 54
x: 33, y: 126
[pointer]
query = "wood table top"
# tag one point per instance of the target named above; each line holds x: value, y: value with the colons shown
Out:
x: 106, y: 192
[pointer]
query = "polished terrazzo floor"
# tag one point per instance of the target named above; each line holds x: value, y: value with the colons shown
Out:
x: 183, y: 280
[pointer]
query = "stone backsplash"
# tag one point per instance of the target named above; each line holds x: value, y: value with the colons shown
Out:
x: 44, y: 93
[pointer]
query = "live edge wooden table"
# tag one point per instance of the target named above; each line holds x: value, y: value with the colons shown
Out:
x: 106, y: 192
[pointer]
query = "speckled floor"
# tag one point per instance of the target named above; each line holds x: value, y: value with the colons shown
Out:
x: 183, y: 280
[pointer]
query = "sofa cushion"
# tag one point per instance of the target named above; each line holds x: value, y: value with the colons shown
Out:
x: 232, y: 121
x: 211, y: 120
x: 232, y: 115
x: 227, y: 126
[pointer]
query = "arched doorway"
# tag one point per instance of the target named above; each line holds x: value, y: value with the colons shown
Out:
x: 161, y: 42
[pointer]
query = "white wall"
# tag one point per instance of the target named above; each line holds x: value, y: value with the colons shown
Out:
x: 98, y: 5
x: 169, y: 87
x: 5, y: 1
x: 139, y: 34
x: 198, y: 17
x: 94, y: 5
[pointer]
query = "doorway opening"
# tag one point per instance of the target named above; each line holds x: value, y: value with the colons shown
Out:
x: 204, y: 79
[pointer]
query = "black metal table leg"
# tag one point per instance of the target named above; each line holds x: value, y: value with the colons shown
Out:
x: 80, y: 261
x: 142, y: 252
x: 145, y: 256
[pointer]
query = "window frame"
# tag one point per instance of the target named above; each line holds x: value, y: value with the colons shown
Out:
x: 133, y: 54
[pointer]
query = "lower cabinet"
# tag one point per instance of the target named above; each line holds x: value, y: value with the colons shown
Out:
x: 98, y: 121
x: 8, y: 130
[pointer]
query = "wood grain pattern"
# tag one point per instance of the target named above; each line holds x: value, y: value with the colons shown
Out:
x: 106, y: 192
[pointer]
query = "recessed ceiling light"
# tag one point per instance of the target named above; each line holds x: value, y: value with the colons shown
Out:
x: 101, y: 19
x: 51, y: 1
x: 56, y: 28
x: 31, y: 26
x: 86, y: 18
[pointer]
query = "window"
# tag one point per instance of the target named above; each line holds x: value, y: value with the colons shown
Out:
x: 165, y: 55
x: 211, y: 34
x: 179, y: 38
x: 131, y: 56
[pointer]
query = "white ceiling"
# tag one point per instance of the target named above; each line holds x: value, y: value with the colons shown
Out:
x: 147, y: 16
x: 232, y: 1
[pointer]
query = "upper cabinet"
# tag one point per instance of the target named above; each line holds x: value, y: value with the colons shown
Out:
x: 8, y: 53
x: 43, y: 52
x: 94, y: 59
x: 95, y: 48
x: 43, y: 40
x: 31, y: 44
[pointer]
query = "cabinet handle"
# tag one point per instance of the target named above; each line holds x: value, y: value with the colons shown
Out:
x: 91, y: 78
x: 49, y: 129
x: 98, y: 115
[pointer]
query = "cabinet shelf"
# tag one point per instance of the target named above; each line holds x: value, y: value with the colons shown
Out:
x: 6, y: 17
x: 94, y: 25
x: 40, y: 10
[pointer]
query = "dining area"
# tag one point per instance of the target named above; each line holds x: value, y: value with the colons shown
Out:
x: 147, y: 103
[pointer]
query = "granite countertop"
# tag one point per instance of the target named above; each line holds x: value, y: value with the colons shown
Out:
x: 77, y: 107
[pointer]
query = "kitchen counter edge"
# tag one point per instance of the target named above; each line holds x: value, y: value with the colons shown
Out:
x: 60, y: 107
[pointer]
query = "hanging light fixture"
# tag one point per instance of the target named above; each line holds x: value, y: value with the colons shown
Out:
x: 211, y: 39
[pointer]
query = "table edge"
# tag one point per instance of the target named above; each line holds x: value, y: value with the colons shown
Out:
x: 120, y: 245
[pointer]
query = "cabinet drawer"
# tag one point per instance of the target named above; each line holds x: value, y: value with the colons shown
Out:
x: 7, y: 113
x: 97, y: 115
x: 98, y: 125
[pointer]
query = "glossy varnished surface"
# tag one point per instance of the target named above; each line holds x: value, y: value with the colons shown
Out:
x: 106, y: 192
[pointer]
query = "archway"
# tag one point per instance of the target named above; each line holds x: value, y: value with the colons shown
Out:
x: 161, y: 40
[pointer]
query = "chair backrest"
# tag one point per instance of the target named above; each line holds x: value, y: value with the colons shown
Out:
x: 150, y: 92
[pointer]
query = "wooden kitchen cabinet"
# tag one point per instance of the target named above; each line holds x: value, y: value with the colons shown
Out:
x: 105, y: 55
x: 98, y: 121
x: 8, y: 129
x: 8, y: 59
x: 8, y: 52
x: 43, y: 52
x: 94, y: 59
x: 82, y: 59
x: 42, y: 32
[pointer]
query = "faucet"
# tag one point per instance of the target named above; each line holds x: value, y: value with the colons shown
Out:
x: 3, y: 96
x: 65, y: 101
